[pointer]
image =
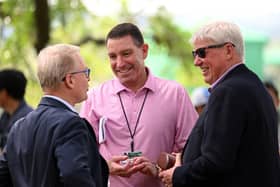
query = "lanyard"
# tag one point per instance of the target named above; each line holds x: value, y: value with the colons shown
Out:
x: 137, y: 121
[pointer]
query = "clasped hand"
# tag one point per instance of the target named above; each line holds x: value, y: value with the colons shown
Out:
x: 166, y: 175
x: 125, y: 167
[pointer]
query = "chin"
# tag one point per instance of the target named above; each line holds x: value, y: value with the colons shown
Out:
x: 82, y: 99
x: 206, y: 80
x: 85, y: 98
x: 124, y: 81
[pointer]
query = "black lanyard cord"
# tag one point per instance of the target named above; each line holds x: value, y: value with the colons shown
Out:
x: 137, y: 121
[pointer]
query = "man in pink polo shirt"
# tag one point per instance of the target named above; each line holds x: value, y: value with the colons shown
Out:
x: 136, y: 113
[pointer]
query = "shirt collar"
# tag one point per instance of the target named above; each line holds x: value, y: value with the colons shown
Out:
x: 62, y: 101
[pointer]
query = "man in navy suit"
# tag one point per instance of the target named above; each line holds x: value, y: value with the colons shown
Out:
x: 234, y: 142
x: 53, y: 146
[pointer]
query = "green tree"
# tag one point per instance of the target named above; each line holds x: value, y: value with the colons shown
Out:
x: 26, y: 26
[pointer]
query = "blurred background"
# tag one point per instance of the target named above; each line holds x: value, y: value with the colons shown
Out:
x: 27, y: 26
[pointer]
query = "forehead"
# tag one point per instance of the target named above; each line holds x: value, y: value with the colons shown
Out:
x: 121, y: 42
x: 198, y: 43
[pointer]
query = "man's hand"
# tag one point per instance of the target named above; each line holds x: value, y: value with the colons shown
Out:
x: 166, y: 175
x: 145, y: 166
x: 122, y: 166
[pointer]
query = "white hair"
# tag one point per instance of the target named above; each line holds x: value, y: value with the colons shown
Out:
x: 221, y: 32
x: 54, y: 62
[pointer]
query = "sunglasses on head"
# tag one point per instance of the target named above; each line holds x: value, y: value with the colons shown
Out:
x: 201, y: 52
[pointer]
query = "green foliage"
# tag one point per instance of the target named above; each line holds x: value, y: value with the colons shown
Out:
x: 33, y: 93
x: 170, y: 35
x: 94, y: 57
x: 17, y: 39
x: 191, y: 79
x: 174, y: 41
x: 71, y: 22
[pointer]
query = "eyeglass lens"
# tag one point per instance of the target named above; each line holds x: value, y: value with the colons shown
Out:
x: 199, y: 52
x: 87, y: 72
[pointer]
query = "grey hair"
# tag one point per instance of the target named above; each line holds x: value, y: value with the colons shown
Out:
x: 221, y: 32
x: 54, y: 62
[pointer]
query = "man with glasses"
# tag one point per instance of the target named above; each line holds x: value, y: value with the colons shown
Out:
x: 53, y: 146
x: 136, y: 114
x: 234, y: 142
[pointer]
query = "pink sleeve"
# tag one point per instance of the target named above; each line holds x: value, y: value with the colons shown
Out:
x: 186, y: 120
x: 87, y: 112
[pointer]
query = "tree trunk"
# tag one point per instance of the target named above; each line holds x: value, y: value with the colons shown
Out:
x: 42, y: 24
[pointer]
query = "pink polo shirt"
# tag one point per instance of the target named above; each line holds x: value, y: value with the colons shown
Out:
x: 166, y: 121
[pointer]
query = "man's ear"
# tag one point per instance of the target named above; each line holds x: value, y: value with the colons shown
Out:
x: 229, y: 50
x: 145, y: 48
x: 68, y: 81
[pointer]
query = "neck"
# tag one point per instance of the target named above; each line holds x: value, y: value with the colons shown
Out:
x: 61, y: 94
x: 141, y: 82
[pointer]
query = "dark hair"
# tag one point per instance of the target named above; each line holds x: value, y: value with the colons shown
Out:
x: 125, y: 29
x: 271, y: 86
x: 14, y: 82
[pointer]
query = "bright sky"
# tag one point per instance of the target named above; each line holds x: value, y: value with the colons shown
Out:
x: 263, y: 15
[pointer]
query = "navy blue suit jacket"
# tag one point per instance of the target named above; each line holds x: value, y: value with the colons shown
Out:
x: 7, y: 120
x: 234, y: 142
x: 52, y: 146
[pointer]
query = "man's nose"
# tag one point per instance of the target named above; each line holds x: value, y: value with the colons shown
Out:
x: 119, y: 61
x: 197, y: 61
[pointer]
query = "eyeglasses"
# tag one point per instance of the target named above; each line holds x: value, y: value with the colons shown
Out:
x: 86, y: 72
x: 201, y: 52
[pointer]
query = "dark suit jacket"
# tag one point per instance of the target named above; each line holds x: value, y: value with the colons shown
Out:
x: 234, y: 142
x: 7, y: 120
x: 53, y: 146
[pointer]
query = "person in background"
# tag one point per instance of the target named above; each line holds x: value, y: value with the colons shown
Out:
x: 199, y: 98
x: 272, y: 90
x: 234, y: 142
x: 136, y: 111
x: 12, y: 91
x: 53, y: 146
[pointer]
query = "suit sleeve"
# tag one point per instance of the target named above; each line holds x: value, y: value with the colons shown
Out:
x: 72, y: 155
x: 222, y: 129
